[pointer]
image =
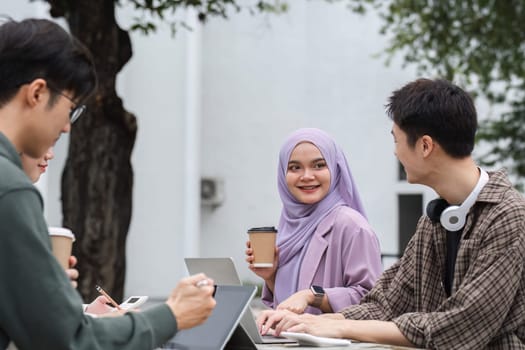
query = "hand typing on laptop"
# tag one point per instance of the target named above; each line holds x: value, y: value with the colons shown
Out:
x: 277, y: 321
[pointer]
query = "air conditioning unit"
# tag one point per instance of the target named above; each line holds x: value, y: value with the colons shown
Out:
x: 212, y: 191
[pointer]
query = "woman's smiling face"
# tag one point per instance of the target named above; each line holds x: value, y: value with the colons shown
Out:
x: 307, y: 176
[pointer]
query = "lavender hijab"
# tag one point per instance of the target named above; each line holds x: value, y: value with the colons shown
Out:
x: 299, y: 221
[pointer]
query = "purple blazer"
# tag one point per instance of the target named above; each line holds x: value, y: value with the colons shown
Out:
x: 343, y: 257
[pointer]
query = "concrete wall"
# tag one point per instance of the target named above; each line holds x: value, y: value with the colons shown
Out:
x: 218, y: 102
x: 265, y: 77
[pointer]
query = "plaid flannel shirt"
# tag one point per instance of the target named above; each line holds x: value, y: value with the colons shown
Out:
x: 486, y: 309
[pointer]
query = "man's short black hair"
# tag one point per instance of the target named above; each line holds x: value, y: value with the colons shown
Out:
x: 436, y: 108
x: 39, y: 48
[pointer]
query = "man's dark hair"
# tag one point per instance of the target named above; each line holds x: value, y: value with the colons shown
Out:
x: 436, y: 108
x: 39, y: 48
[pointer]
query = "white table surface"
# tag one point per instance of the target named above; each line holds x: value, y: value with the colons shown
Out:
x: 256, y: 306
x: 354, y: 345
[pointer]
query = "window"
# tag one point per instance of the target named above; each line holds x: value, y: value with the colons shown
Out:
x: 410, y: 210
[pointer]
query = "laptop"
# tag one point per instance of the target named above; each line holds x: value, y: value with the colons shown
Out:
x: 214, y: 334
x: 223, y: 272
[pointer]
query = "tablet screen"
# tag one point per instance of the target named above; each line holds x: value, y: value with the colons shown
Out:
x: 213, y: 334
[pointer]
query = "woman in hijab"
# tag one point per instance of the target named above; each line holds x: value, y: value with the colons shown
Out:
x: 327, y: 255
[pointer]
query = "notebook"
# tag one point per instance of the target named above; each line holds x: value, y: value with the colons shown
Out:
x: 223, y: 272
x: 214, y: 334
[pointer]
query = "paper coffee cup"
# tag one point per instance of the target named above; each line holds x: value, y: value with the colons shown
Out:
x: 262, y: 241
x: 61, y: 242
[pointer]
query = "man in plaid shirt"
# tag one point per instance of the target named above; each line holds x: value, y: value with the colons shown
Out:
x: 459, y: 288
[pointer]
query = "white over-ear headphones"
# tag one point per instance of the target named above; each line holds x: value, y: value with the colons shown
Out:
x: 454, y: 217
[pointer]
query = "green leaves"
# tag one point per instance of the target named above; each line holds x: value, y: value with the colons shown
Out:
x: 479, y: 44
x: 154, y: 11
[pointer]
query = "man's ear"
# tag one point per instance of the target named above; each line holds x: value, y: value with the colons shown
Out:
x: 427, y: 145
x: 35, y: 92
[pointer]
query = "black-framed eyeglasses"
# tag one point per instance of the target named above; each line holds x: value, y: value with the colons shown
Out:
x: 76, y: 112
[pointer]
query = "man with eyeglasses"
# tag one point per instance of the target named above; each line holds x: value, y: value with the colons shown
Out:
x: 44, y: 76
x: 76, y: 109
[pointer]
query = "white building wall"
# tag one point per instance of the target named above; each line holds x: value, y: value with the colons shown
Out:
x: 153, y: 86
x: 259, y: 78
x: 265, y: 77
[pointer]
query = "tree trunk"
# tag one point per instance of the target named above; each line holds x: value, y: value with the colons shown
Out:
x: 97, y: 180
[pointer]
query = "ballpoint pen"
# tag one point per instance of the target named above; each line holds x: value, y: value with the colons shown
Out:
x: 113, y: 302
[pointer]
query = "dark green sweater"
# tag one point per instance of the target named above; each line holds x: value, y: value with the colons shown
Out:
x: 39, y: 309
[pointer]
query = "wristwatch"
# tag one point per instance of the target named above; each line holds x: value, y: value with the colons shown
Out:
x: 318, y: 293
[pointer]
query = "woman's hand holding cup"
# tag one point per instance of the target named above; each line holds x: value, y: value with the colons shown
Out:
x: 266, y: 273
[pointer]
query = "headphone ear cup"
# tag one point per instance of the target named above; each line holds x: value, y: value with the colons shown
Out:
x: 435, y: 207
x: 453, y: 218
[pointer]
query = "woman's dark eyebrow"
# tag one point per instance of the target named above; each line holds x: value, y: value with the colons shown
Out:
x: 313, y: 161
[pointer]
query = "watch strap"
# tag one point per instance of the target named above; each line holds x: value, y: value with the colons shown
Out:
x: 318, y: 297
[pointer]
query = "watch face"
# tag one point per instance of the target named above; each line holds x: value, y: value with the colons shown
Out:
x: 318, y: 289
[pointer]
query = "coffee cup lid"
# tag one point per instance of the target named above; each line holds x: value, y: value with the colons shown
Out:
x: 269, y: 229
x: 61, y: 231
